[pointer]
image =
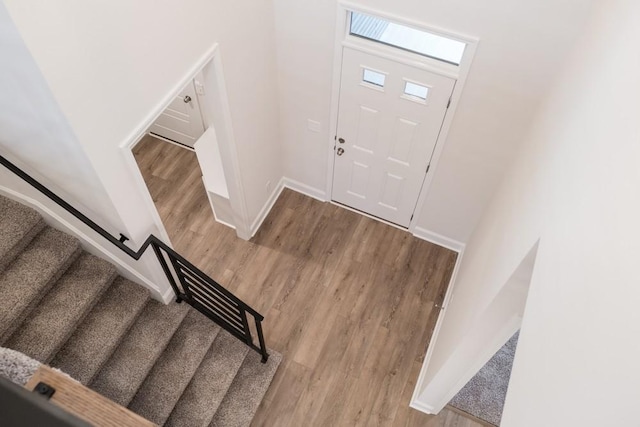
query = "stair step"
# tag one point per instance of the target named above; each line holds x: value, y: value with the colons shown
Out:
x: 53, y: 321
x: 123, y: 374
x: 246, y: 391
x: 201, y: 398
x: 32, y: 273
x: 99, y: 334
x: 18, y: 226
x: 172, y: 372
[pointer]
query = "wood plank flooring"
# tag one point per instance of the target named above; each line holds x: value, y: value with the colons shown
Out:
x: 347, y: 300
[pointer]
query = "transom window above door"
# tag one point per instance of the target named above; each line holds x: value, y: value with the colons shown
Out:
x: 406, y: 38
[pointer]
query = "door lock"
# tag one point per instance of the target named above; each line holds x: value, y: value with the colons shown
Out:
x: 341, y: 140
x: 340, y: 151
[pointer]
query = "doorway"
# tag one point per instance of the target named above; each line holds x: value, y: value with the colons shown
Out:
x: 174, y: 180
x: 218, y: 161
x: 181, y: 165
x: 390, y: 117
x: 396, y: 88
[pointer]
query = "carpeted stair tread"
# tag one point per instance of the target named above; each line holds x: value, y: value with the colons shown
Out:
x: 171, y: 374
x: 52, y: 321
x: 28, y: 278
x: 207, y: 388
x: 126, y: 369
x: 171, y: 364
x: 98, y: 335
x: 246, y: 391
x: 18, y: 225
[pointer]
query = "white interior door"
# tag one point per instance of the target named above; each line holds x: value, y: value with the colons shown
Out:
x: 390, y: 115
x: 181, y: 121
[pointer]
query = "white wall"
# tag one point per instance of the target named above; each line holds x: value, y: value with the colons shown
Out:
x: 35, y: 134
x: 521, y: 45
x: 109, y: 65
x: 575, y: 185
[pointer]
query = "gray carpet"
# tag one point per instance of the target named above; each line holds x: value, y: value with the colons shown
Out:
x: 17, y: 367
x: 483, y: 396
x: 67, y: 308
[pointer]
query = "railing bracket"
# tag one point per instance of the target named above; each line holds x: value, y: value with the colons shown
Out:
x: 44, y: 389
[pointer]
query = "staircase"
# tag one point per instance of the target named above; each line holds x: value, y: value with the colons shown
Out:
x: 71, y: 310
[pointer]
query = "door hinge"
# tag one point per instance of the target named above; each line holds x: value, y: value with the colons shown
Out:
x: 428, y: 167
x: 411, y: 219
x: 449, y: 102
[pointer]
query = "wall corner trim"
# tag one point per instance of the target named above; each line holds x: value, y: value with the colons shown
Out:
x: 264, y: 212
x: 422, y: 407
x: 438, y: 239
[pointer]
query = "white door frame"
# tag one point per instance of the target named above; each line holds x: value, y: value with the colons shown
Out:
x: 216, y: 113
x: 459, y: 73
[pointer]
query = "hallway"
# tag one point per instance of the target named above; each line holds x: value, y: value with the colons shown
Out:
x: 347, y: 300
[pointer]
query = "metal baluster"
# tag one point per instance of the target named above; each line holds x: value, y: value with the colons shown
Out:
x: 183, y: 282
x: 263, y: 346
x: 245, y: 323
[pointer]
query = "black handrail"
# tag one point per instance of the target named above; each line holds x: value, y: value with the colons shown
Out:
x: 189, y: 283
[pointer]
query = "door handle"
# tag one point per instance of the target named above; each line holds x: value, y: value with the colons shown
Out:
x: 340, y: 151
x: 341, y: 140
x: 187, y: 99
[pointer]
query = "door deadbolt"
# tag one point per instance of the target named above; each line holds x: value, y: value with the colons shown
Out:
x: 341, y: 140
x: 187, y: 99
x: 340, y: 151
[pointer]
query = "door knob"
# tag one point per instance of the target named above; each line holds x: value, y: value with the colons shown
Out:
x: 340, y: 151
x: 187, y: 99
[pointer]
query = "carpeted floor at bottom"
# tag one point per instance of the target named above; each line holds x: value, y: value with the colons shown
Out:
x: 483, y: 396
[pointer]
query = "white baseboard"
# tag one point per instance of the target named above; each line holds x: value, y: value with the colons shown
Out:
x: 422, y: 407
x: 291, y: 184
x: 438, y: 239
x: 305, y: 189
x: 168, y: 296
x: 257, y: 223
x: 88, y: 243
x: 415, y: 398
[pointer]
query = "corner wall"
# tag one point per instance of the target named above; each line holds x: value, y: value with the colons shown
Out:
x: 36, y: 136
x: 575, y: 186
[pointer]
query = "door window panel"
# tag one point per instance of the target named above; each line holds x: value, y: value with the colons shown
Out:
x: 373, y: 77
x: 407, y: 38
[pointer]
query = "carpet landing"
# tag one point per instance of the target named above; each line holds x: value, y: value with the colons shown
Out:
x: 483, y: 396
x: 69, y: 309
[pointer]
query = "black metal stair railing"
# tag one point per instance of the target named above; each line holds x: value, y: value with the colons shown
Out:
x: 189, y: 283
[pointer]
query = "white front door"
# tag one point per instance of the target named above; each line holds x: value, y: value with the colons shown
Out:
x: 390, y: 115
x: 182, y: 121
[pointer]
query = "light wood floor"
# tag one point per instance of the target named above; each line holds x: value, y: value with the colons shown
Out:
x: 347, y: 300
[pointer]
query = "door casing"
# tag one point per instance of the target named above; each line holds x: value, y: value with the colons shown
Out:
x: 217, y: 113
x: 459, y: 73
x: 386, y: 138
